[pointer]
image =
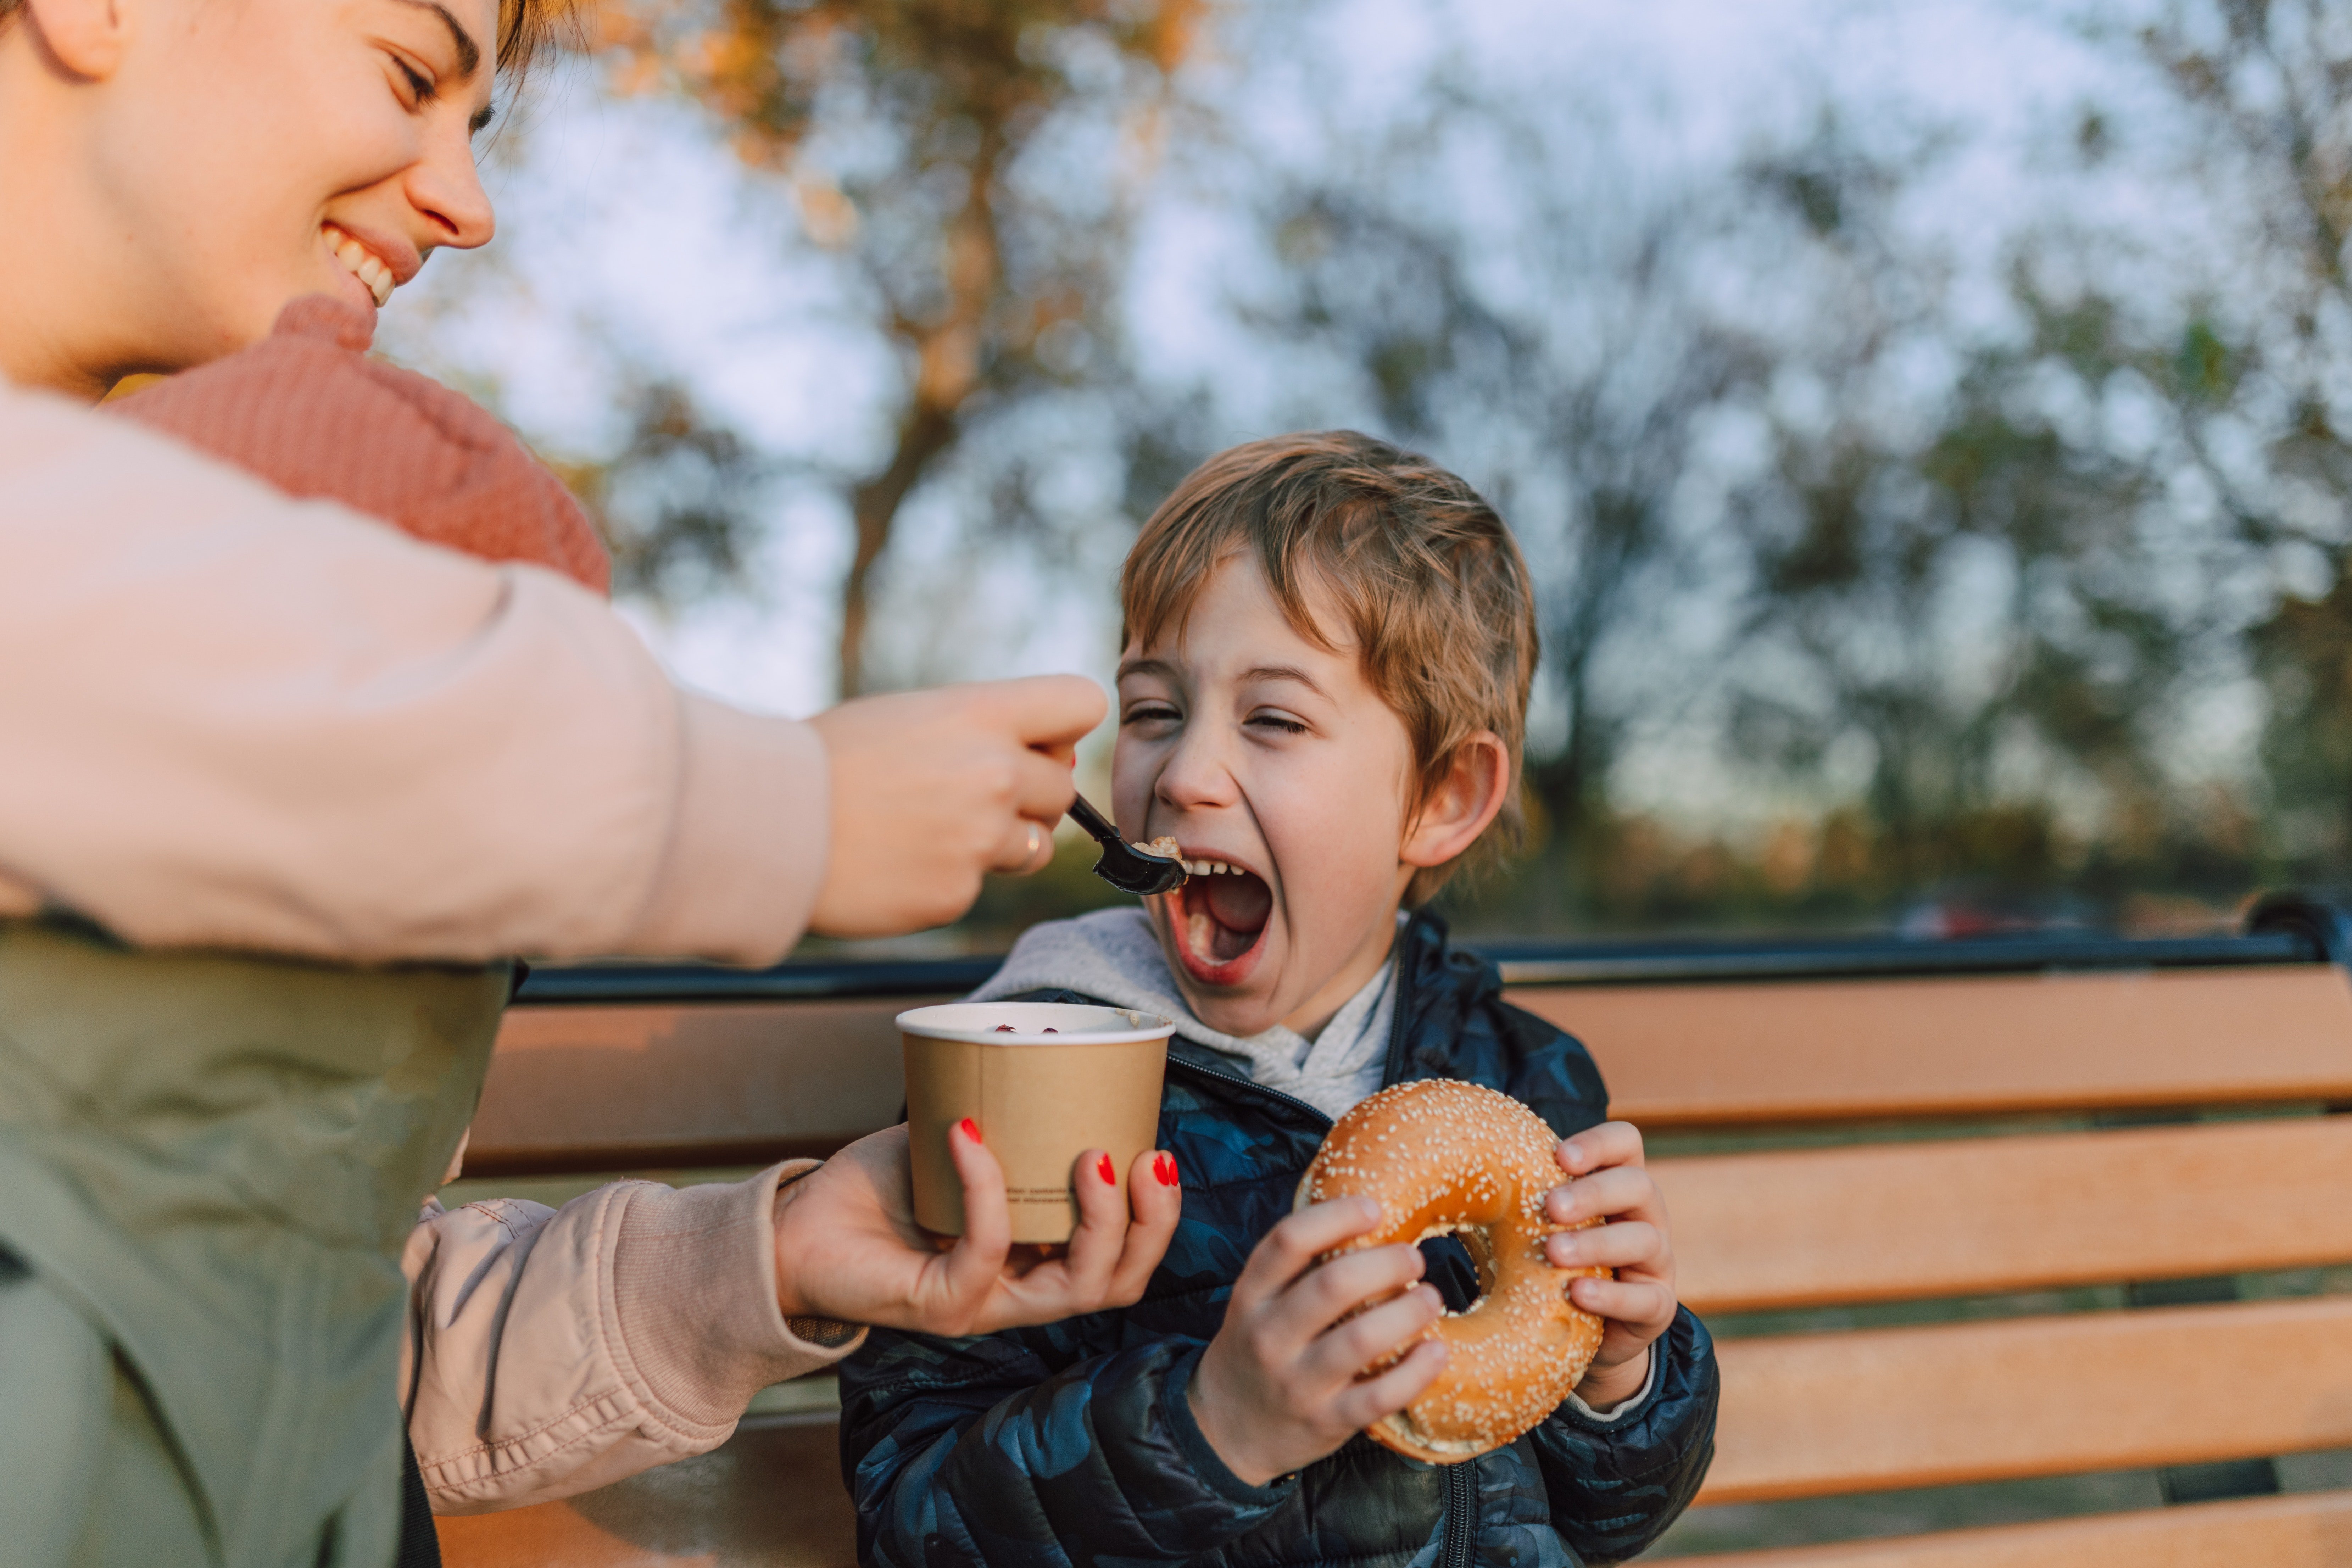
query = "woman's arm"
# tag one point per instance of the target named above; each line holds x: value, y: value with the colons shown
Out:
x: 555, y: 1350
x: 235, y: 720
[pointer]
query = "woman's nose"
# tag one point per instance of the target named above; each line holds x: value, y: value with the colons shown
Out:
x: 446, y: 188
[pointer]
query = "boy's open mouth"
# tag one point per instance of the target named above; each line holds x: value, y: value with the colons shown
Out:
x: 1221, y: 921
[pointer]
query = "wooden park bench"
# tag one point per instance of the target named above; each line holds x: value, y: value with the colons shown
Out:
x: 1894, y: 1168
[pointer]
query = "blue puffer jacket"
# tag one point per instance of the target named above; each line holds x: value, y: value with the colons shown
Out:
x: 1073, y: 1443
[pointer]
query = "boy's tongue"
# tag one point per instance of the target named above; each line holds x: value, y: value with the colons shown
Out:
x: 1226, y: 912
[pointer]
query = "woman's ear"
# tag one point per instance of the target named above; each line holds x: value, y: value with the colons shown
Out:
x: 85, y: 39
x: 1461, y: 806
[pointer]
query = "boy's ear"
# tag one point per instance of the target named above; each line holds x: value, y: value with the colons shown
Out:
x: 1459, y: 809
x: 83, y: 38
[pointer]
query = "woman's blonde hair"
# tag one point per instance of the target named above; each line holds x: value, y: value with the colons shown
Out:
x: 1423, y: 572
x: 524, y: 25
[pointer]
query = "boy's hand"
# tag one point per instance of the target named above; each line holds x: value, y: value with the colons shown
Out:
x: 932, y: 788
x: 1638, y: 1304
x: 1277, y: 1388
x: 849, y: 1248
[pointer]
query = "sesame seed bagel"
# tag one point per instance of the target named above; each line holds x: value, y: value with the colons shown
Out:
x: 1445, y: 1158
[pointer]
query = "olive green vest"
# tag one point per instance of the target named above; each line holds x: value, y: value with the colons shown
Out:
x: 208, y: 1167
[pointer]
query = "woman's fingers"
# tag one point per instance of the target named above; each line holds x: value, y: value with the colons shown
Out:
x: 1157, y: 1198
x: 973, y: 1264
x: 1050, y: 714
x: 1101, y: 1233
x: 930, y: 788
x: 1028, y: 848
x: 1362, y: 1404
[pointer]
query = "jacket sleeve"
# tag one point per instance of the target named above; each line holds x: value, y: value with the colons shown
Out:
x: 980, y: 1451
x: 231, y: 718
x: 1615, y: 1484
x: 553, y: 1351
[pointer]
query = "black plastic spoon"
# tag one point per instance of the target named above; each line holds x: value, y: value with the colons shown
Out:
x: 1123, y: 866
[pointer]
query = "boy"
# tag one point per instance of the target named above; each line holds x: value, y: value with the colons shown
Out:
x: 1328, y: 649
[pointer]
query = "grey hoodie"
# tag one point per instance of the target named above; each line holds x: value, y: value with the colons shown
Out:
x: 1114, y: 955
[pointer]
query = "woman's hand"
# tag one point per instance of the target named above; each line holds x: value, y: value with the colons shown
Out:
x: 849, y: 1248
x: 1277, y: 1388
x: 1638, y: 1304
x: 932, y: 788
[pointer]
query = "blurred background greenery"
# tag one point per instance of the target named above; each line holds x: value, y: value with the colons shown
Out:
x: 1928, y: 424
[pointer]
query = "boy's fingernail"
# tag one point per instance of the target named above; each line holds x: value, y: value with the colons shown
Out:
x: 971, y: 1129
x: 1164, y: 1167
x: 1108, y: 1172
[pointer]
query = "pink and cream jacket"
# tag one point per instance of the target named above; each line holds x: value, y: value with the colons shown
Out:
x: 229, y: 719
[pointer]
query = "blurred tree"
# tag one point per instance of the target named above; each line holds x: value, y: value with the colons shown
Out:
x: 1948, y: 578
x: 931, y: 143
x: 1581, y: 407
x: 1973, y: 595
x: 2266, y: 394
x: 677, y: 501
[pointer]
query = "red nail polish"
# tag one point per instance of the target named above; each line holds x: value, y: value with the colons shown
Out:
x: 971, y: 1129
x: 1108, y: 1172
x: 1164, y: 1167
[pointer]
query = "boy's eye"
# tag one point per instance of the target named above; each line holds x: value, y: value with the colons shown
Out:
x: 1147, y: 714
x: 1277, y: 721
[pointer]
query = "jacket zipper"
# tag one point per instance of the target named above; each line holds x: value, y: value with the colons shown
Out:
x: 1256, y: 1089
x: 1461, y: 1507
x: 1461, y: 1514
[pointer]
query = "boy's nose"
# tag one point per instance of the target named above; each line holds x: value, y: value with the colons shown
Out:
x: 1196, y: 776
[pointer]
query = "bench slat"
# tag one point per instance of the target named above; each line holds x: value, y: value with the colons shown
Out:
x: 615, y: 1087
x: 1886, y: 1222
x: 2313, y: 1530
x: 601, y: 1088
x: 771, y: 1494
x: 1871, y: 1410
x: 1803, y: 1051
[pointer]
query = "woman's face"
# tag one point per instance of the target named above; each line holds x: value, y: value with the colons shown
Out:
x: 243, y: 153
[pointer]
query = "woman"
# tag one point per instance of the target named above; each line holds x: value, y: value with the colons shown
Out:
x: 232, y: 723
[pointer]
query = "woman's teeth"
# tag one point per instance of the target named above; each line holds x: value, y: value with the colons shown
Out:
x: 360, y: 262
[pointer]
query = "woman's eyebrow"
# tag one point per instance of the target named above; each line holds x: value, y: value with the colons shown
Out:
x: 470, y: 53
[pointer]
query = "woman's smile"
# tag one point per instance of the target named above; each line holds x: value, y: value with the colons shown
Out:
x: 372, y: 271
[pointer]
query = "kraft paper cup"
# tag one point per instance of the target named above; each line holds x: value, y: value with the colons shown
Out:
x: 1064, y: 1079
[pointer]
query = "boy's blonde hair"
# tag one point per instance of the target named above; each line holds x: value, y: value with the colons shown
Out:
x: 1424, y: 572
